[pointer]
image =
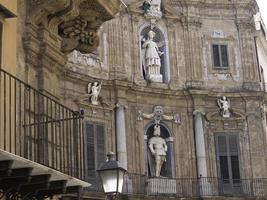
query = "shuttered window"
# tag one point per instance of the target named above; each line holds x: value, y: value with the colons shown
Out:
x: 227, y: 150
x: 220, y: 56
x: 95, y: 148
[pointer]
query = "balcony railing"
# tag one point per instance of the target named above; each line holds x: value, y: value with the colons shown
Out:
x: 36, y: 127
x: 136, y: 184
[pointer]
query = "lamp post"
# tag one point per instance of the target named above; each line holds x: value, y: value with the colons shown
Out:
x: 111, y: 174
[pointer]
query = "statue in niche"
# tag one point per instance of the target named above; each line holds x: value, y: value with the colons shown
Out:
x: 93, y: 91
x: 151, y: 58
x: 152, y: 8
x: 224, y: 105
x: 158, y: 148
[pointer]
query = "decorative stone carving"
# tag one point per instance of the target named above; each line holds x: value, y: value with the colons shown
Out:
x: 94, y: 90
x: 77, y: 34
x: 151, y: 58
x: 224, y: 105
x: 75, y: 21
x: 152, y: 8
x: 159, y: 115
x: 158, y: 148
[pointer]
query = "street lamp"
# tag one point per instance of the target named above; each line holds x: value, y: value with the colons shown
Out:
x: 112, y: 174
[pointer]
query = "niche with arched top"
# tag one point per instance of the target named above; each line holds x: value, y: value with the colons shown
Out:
x: 168, y: 167
x: 161, y: 41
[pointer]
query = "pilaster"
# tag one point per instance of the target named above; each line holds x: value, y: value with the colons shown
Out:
x: 192, y: 38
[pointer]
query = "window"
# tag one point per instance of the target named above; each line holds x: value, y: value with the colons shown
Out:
x: 228, y: 158
x: 220, y: 56
x: 95, y: 149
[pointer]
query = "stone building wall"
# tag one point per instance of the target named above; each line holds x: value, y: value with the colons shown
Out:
x: 190, y: 29
x: 191, y: 83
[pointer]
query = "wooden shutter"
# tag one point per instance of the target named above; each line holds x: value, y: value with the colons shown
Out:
x: 233, y: 151
x: 95, y: 149
x: 224, y: 56
x: 228, y: 157
x: 100, y: 144
x: 216, y: 55
x: 90, y: 150
x: 222, y: 157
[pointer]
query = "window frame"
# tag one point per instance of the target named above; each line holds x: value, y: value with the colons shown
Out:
x: 221, y: 67
x: 94, y: 124
x: 228, y: 154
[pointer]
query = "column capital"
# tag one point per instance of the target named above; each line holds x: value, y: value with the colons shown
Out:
x: 199, y: 111
x: 121, y: 105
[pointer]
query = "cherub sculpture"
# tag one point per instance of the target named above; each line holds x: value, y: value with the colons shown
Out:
x: 224, y: 105
x: 94, y: 90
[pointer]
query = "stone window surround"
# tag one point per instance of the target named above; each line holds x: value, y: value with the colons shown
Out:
x: 220, y: 55
x: 231, y: 43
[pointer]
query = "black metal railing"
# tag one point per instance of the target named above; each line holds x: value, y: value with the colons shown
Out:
x: 136, y: 184
x: 38, y: 128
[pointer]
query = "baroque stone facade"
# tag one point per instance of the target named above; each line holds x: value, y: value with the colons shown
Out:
x: 190, y: 32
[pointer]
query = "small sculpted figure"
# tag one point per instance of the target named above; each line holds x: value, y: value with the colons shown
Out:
x: 224, y: 105
x: 152, y: 8
x: 94, y: 90
x: 152, y: 61
x: 158, y: 148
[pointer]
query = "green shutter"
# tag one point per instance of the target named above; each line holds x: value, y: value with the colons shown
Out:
x: 100, y: 144
x: 228, y: 157
x: 216, y: 55
x: 90, y: 150
x: 224, y: 56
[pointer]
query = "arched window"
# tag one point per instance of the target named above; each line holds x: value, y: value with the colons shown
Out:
x: 168, y: 167
x: 161, y: 42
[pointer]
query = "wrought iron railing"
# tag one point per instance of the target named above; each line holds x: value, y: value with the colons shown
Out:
x: 136, y: 184
x: 37, y: 127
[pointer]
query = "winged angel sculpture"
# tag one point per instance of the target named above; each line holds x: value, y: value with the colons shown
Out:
x: 93, y: 91
x: 224, y: 105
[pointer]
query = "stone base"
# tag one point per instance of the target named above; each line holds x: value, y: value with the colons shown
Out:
x: 161, y: 186
x: 157, y: 78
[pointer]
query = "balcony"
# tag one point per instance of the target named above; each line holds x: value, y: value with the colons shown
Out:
x: 41, y: 143
x: 141, y: 185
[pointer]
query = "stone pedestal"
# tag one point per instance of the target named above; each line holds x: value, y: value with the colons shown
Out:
x: 161, y: 186
x: 156, y: 78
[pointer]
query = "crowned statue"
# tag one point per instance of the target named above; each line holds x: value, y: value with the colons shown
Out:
x: 158, y: 148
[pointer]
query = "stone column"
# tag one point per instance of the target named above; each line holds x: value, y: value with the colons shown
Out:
x: 201, y: 153
x: 200, y: 144
x: 121, y: 135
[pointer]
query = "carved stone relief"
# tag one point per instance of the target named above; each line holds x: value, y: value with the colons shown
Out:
x: 75, y: 21
x: 158, y: 115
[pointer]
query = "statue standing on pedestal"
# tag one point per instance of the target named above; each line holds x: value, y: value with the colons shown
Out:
x: 158, y: 148
x: 151, y: 59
